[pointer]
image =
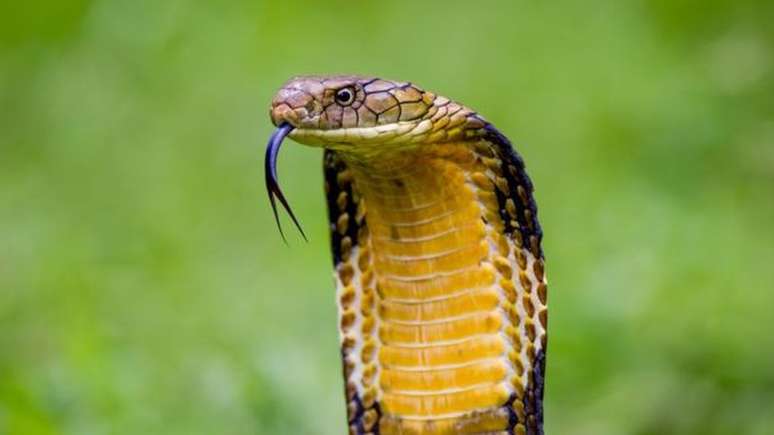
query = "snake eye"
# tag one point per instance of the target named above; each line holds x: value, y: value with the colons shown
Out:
x: 345, y: 96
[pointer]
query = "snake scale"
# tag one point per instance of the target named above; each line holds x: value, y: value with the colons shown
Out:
x: 437, y: 254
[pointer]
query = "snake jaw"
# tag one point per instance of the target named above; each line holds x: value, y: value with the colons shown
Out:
x: 272, y: 184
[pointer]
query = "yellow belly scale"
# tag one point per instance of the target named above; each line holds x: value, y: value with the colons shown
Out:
x: 438, y: 308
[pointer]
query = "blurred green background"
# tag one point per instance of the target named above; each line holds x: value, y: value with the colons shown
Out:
x: 143, y: 285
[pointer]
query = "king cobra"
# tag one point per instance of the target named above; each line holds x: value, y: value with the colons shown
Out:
x: 437, y: 256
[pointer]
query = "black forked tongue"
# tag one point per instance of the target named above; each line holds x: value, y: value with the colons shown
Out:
x: 272, y: 186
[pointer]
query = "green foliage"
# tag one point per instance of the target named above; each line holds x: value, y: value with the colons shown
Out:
x: 144, y: 288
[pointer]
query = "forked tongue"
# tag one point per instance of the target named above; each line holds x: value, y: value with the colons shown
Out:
x: 272, y: 185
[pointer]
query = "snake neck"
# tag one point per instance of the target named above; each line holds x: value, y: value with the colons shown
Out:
x: 434, y: 333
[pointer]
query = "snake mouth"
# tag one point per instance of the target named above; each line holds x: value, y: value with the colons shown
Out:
x: 272, y: 183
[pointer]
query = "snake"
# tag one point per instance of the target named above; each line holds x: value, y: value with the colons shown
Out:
x: 437, y: 258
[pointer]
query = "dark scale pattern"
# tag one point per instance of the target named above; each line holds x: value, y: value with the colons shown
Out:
x: 526, y: 208
x: 356, y: 422
x: 333, y: 166
x: 520, y: 190
x: 532, y: 401
x: 336, y: 183
x: 513, y: 418
x: 533, y: 396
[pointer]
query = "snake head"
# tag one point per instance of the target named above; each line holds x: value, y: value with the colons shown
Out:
x: 363, y: 117
x: 347, y: 112
x: 330, y: 103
